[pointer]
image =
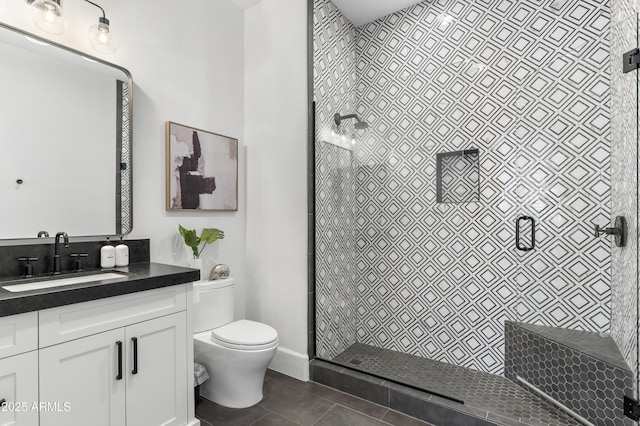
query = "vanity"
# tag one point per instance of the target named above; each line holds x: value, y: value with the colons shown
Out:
x: 80, y: 346
x: 110, y: 352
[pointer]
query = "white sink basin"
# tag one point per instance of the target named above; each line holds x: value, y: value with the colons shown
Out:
x: 50, y: 283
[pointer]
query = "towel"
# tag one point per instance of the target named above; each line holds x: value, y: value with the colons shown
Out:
x: 200, y: 374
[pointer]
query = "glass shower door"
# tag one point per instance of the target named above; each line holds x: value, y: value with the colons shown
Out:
x: 624, y: 183
x: 574, y: 340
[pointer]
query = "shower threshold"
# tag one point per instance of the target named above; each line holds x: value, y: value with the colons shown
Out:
x: 482, y: 395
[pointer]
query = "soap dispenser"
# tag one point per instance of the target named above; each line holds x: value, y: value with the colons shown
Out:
x: 122, y: 254
x: 107, y: 255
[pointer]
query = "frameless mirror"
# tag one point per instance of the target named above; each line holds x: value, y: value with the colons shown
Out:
x: 65, y: 140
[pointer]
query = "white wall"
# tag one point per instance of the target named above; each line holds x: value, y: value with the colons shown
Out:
x: 276, y: 139
x: 192, y: 65
x: 187, y: 63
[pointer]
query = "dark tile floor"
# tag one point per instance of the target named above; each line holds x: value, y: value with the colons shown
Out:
x: 288, y: 401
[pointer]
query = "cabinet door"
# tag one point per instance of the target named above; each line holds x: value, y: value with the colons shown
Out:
x: 19, y: 388
x: 18, y: 334
x: 157, y: 392
x: 82, y: 374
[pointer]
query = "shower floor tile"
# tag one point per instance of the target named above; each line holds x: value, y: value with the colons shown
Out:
x: 477, y: 390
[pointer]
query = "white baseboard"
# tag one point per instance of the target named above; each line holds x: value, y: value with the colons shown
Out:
x: 291, y: 363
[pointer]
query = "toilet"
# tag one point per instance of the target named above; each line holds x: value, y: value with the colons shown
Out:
x: 235, y: 353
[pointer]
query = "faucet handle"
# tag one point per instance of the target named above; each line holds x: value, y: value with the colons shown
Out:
x: 78, y: 259
x: 28, y: 267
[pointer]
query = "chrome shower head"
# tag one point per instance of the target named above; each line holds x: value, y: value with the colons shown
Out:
x: 360, y: 125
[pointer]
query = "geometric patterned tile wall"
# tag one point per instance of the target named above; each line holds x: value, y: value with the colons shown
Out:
x: 334, y: 91
x: 527, y: 84
x: 334, y: 72
x: 624, y: 135
x: 336, y: 297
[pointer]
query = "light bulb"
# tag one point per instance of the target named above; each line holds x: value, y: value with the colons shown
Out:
x: 101, y: 38
x: 47, y: 15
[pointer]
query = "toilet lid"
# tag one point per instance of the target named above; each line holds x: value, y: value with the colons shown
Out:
x: 245, y: 333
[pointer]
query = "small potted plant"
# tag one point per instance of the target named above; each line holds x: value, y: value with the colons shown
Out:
x: 199, y: 243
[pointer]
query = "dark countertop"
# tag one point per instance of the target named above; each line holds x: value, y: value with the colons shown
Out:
x: 140, y: 277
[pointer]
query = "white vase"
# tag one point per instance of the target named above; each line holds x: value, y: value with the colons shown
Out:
x: 197, y: 264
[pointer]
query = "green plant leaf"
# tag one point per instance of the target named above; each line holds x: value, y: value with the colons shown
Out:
x: 210, y: 235
x: 190, y: 239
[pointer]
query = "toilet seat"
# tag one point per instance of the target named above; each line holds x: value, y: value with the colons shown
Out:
x: 245, y: 335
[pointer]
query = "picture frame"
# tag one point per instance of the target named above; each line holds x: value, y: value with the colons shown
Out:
x: 201, y: 169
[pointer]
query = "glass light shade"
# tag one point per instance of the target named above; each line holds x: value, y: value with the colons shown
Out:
x: 47, y: 15
x: 101, y: 38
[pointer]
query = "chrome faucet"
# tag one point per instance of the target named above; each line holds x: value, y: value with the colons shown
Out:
x: 42, y: 234
x: 56, y: 251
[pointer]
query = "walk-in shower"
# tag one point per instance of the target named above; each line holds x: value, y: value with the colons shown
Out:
x: 454, y: 246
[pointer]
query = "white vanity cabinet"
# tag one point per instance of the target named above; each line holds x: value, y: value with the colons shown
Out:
x: 157, y: 393
x: 118, y: 361
x: 18, y: 334
x: 19, y: 390
x: 82, y: 374
x: 19, y: 369
x: 129, y: 376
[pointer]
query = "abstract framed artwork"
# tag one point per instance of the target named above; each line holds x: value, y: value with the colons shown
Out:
x: 202, y: 169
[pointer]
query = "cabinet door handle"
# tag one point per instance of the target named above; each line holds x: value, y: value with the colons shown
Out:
x: 119, y: 346
x: 134, y: 340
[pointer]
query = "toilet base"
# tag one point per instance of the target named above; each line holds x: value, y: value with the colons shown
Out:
x: 236, y: 376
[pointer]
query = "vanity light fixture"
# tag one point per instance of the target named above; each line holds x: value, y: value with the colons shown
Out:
x: 47, y: 15
x: 100, y: 36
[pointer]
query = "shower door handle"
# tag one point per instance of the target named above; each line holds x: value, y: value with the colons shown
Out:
x: 533, y: 233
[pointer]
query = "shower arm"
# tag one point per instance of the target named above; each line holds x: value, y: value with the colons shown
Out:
x: 338, y: 118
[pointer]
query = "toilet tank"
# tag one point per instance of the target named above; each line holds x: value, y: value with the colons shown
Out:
x: 215, y: 302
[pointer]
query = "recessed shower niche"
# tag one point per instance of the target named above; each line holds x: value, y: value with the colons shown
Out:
x: 458, y: 176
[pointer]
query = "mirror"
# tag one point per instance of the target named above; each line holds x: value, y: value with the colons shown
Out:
x: 65, y: 129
